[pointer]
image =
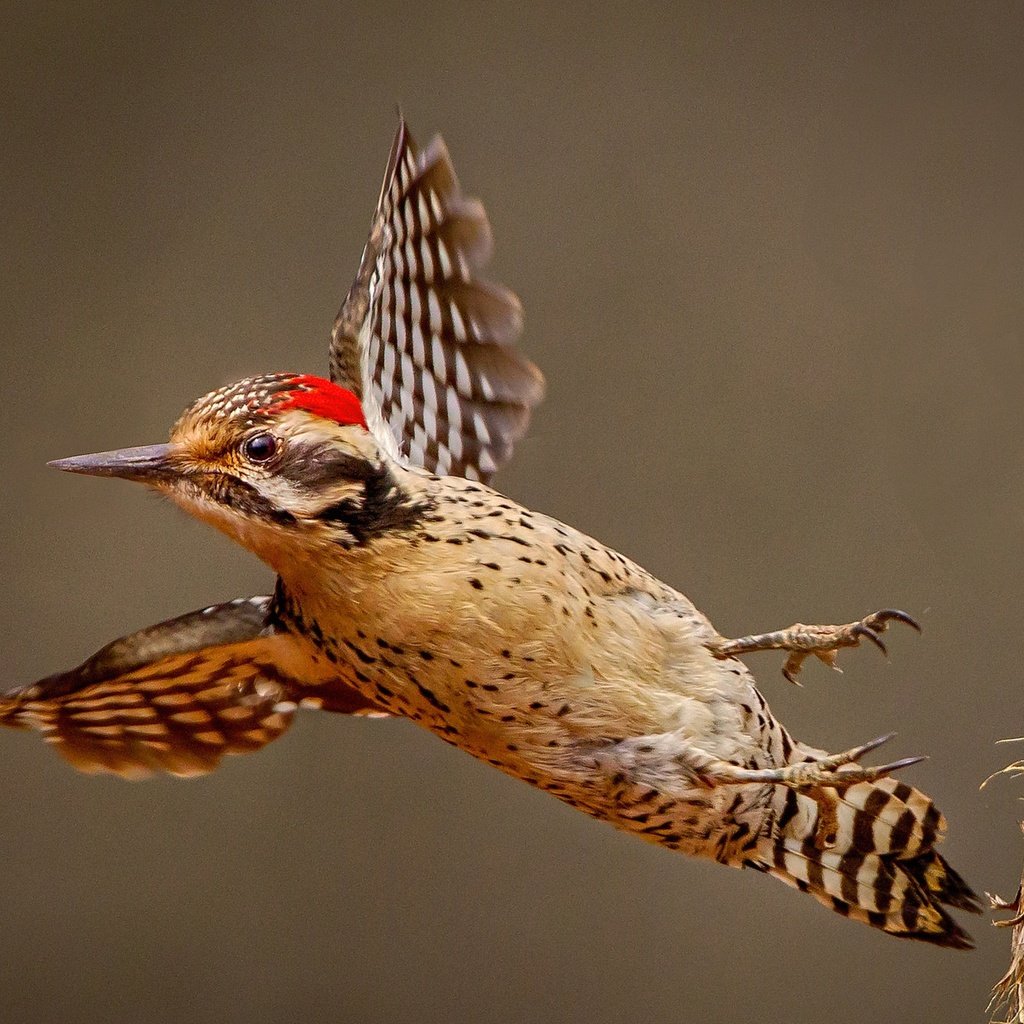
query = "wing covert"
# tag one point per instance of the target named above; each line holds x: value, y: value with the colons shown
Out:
x: 178, y: 696
x: 426, y: 344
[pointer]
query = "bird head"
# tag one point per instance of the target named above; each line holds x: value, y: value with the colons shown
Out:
x: 281, y: 463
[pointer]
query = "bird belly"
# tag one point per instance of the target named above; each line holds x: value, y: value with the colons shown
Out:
x: 562, y: 739
x: 550, y: 694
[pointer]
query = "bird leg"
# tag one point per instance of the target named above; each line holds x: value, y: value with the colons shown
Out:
x: 643, y: 760
x: 820, y: 779
x: 824, y: 642
x: 836, y: 771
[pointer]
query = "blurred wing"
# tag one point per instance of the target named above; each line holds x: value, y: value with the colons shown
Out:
x: 178, y: 696
x: 427, y: 345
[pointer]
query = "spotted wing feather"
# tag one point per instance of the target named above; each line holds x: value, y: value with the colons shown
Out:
x: 175, y: 697
x: 426, y: 344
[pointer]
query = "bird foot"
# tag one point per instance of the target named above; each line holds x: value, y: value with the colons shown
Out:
x: 835, y: 771
x: 822, y: 779
x: 824, y: 642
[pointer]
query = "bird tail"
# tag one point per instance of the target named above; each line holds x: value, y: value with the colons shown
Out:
x: 867, y: 853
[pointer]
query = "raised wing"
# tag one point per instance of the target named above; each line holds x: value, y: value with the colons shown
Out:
x: 178, y: 696
x: 427, y: 345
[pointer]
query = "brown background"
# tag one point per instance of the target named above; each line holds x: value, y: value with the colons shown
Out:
x: 771, y: 258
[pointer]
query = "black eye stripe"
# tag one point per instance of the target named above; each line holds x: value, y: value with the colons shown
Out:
x: 317, y: 467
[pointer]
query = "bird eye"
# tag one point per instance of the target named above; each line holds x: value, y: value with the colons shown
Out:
x: 259, y: 447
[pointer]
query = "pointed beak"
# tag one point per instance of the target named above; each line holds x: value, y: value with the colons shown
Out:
x: 150, y: 464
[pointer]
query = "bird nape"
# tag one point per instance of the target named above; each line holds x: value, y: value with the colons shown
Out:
x: 407, y: 587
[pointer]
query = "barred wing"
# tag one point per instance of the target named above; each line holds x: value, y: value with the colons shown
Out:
x: 427, y: 345
x: 178, y: 696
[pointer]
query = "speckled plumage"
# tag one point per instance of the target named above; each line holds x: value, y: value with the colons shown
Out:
x: 537, y: 649
x: 563, y: 663
x: 426, y: 343
x: 501, y: 630
x: 512, y: 636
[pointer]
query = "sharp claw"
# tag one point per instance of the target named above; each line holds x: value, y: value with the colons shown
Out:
x: 866, y: 748
x: 895, y: 766
x: 791, y: 667
x: 895, y: 615
x: 869, y: 634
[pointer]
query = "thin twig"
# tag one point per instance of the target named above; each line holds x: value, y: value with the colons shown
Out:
x: 1008, y: 994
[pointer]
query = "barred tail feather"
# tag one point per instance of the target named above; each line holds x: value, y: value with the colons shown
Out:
x: 871, y: 858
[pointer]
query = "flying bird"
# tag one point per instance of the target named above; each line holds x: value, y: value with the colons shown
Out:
x: 407, y: 586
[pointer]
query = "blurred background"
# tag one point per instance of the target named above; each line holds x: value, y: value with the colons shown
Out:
x: 771, y: 260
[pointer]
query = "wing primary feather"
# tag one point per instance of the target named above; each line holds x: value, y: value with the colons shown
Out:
x: 419, y: 328
x: 178, y: 696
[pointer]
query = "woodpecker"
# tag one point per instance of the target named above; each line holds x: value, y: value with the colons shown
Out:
x: 407, y: 586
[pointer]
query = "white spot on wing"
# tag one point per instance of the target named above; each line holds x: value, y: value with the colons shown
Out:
x: 458, y: 324
x: 453, y: 407
x: 400, y: 336
x: 400, y: 303
x: 429, y: 389
x: 434, y: 308
x: 455, y: 444
x: 437, y: 356
x: 419, y: 353
x: 444, y: 258
x: 430, y: 420
x: 388, y: 377
x: 480, y: 427
x: 462, y: 378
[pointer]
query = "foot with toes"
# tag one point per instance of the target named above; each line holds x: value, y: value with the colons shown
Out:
x: 824, y: 642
